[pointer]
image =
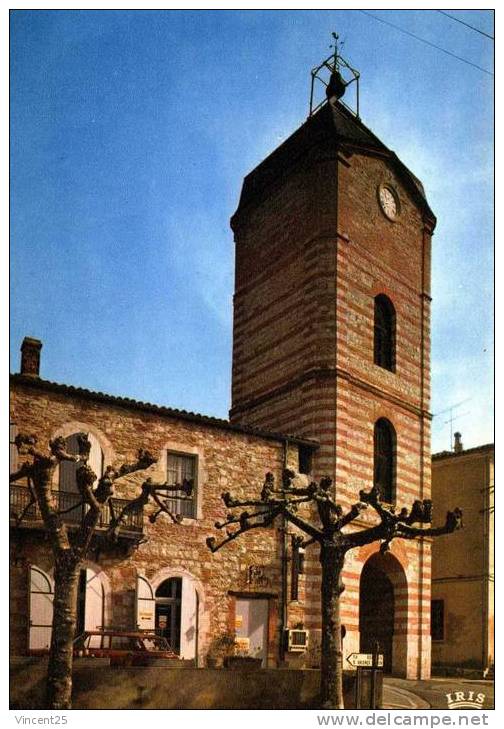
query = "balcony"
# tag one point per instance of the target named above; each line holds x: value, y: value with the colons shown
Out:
x: 69, y: 503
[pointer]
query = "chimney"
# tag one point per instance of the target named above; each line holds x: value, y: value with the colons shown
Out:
x: 30, y: 356
x: 458, y: 446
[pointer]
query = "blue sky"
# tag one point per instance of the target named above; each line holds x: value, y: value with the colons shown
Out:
x: 131, y: 133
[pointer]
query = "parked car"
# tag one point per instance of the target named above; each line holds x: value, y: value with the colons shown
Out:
x: 123, y: 648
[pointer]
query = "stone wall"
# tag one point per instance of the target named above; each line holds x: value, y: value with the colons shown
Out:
x: 165, y: 688
x: 227, y: 460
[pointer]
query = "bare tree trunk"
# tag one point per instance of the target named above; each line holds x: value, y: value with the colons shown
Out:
x: 331, y: 664
x: 59, y: 674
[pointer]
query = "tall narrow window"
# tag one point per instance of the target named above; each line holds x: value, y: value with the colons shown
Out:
x: 437, y: 619
x: 181, y: 467
x: 384, y: 333
x: 384, y: 459
x: 304, y: 459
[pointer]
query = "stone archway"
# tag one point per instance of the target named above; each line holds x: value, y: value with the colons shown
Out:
x: 193, y: 620
x: 383, y: 599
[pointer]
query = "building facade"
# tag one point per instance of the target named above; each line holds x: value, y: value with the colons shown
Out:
x: 161, y: 575
x: 463, y: 568
x: 331, y: 342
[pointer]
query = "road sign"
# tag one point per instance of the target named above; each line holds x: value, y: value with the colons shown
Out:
x: 364, y: 660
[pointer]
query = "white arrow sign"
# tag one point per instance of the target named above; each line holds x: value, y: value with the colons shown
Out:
x: 364, y: 660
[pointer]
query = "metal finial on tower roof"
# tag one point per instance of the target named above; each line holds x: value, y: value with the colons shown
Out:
x: 341, y: 75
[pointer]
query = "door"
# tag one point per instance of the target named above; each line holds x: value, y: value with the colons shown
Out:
x: 177, y: 615
x: 169, y: 612
x: 40, y: 609
x: 376, y: 613
x: 252, y: 627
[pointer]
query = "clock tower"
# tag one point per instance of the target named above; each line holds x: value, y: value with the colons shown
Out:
x: 331, y: 342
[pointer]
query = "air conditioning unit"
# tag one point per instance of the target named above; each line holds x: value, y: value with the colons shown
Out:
x: 297, y: 640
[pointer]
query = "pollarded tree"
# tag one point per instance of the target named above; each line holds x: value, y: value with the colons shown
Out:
x: 70, y: 547
x: 334, y: 544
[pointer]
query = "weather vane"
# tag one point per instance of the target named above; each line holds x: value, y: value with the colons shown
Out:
x: 336, y: 53
x: 341, y: 75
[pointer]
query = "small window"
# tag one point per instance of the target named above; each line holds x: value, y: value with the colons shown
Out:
x: 13, y: 451
x: 305, y: 459
x: 384, y: 459
x: 297, y: 565
x: 181, y: 467
x: 384, y: 333
x: 437, y: 619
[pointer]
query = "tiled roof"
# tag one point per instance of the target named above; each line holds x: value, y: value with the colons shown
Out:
x: 464, y: 452
x: 162, y: 410
x: 331, y: 125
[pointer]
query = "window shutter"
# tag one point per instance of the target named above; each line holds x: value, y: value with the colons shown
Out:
x: 94, y: 606
x: 67, y: 469
x: 145, y: 618
x: 40, y: 609
x: 13, y: 451
x: 95, y: 457
x: 188, y: 621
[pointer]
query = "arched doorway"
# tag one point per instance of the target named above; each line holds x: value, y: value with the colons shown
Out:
x: 173, y: 602
x: 382, y: 604
x: 169, y: 611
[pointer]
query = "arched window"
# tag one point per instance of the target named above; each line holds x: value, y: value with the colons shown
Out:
x: 384, y: 459
x: 69, y: 492
x: 384, y: 333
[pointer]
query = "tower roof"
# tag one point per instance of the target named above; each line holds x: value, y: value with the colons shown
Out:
x: 332, y: 126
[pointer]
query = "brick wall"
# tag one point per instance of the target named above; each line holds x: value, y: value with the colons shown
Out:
x: 310, y: 257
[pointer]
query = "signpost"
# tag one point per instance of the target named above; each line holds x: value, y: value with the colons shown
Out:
x: 369, y: 688
x: 364, y: 660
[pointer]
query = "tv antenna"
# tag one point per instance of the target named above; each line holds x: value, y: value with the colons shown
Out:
x: 453, y: 417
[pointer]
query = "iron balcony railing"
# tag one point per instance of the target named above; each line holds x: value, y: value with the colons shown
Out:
x: 70, y: 504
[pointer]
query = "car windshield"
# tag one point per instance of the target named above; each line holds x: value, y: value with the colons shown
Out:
x: 155, y: 643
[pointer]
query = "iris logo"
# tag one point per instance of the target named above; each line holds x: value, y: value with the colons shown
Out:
x: 461, y: 700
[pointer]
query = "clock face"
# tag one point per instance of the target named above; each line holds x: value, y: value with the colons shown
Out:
x: 388, y: 201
